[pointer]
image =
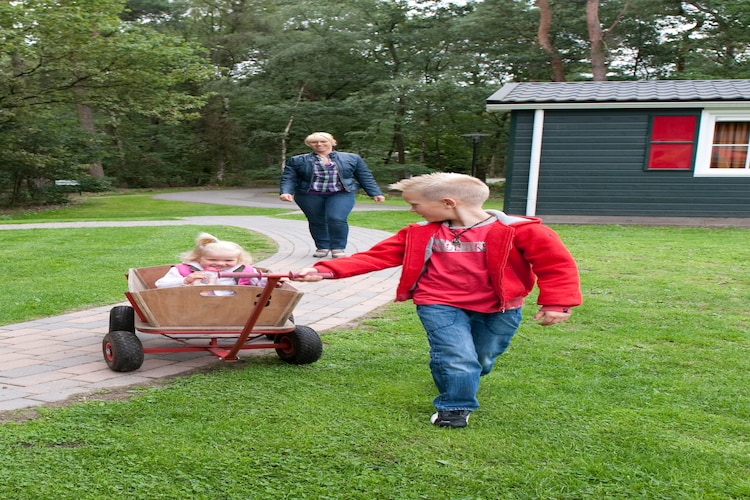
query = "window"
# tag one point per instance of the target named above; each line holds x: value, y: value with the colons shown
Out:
x: 729, y: 148
x: 672, y: 143
x: 724, y: 144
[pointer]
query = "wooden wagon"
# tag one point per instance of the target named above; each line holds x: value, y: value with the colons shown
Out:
x: 220, y: 319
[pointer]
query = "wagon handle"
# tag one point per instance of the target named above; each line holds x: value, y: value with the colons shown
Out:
x: 291, y: 275
x: 325, y: 276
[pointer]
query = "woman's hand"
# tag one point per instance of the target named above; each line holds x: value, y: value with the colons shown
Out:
x: 286, y: 197
x: 378, y: 199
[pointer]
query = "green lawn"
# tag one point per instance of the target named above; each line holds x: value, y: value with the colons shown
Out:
x: 642, y: 394
x: 127, y: 206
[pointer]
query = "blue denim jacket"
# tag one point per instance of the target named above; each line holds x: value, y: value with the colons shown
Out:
x: 353, y: 172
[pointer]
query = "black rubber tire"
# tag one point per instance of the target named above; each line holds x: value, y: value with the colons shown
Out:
x: 300, y: 347
x: 123, y: 351
x: 122, y: 319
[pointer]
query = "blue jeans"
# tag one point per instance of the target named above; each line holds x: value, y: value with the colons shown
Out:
x: 463, y: 347
x: 327, y: 217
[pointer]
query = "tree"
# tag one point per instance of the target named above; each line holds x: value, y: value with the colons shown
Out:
x: 399, y: 81
x: 712, y: 39
x: 543, y: 35
x: 97, y: 63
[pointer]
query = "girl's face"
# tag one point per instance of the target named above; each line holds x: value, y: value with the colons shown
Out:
x: 218, y: 260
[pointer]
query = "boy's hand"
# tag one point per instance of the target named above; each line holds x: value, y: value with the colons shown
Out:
x: 546, y: 318
x: 302, y: 274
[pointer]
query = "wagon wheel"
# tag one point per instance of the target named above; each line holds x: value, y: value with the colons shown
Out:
x: 300, y: 347
x: 122, y: 318
x: 272, y: 336
x: 122, y: 351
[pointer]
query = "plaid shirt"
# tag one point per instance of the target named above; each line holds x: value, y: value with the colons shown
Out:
x: 325, y: 177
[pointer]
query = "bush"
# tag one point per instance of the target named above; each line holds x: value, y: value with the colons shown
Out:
x: 49, y: 194
x: 497, y: 189
x: 95, y: 184
x: 259, y: 177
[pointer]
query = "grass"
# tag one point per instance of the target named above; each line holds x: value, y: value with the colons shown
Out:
x: 642, y: 394
x: 142, y: 206
x: 127, y: 206
x: 59, y: 270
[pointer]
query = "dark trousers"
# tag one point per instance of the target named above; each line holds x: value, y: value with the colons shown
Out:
x: 327, y: 217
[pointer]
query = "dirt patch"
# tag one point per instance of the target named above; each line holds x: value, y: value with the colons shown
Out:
x: 117, y: 394
x: 114, y: 394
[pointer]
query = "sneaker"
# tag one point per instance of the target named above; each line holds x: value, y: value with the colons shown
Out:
x: 337, y: 253
x: 451, y: 418
x: 320, y: 253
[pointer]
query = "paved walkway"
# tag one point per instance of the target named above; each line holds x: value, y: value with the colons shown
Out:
x: 50, y: 359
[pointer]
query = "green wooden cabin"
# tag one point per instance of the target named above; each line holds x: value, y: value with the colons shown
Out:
x: 663, y: 148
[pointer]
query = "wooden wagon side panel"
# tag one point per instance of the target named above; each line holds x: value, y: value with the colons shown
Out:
x: 209, y: 306
x: 148, y: 275
x: 140, y: 280
x: 214, y: 306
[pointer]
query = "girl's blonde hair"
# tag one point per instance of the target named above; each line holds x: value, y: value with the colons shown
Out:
x: 320, y: 136
x: 439, y: 185
x: 209, y: 243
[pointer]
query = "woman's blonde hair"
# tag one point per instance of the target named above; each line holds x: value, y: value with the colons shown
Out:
x: 209, y: 243
x: 320, y: 136
x: 439, y: 185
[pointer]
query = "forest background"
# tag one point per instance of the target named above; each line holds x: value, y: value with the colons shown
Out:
x: 176, y: 93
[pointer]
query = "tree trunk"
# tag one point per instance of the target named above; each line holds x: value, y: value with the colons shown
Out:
x: 285, y: 135
x: 599, y: 65
x: 596, y: 39
x: 545, y: 24
x: 221, y: 161
x: 113, y: 130
x: 398, y: 135
x: 86, y: 120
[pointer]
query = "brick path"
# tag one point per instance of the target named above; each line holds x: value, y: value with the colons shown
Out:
x: 50, y: 359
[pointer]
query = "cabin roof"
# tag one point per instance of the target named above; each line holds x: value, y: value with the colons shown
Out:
x: 646, y: 93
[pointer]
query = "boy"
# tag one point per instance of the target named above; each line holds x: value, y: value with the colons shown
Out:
x: 468, y: 271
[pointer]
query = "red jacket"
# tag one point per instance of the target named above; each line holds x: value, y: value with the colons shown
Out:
x: 520, y: 252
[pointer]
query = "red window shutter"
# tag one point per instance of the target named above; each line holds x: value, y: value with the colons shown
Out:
x: 670, y: 156
x: 672, y: 142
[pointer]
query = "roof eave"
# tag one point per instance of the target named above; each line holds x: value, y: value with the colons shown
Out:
x: 496, y: 106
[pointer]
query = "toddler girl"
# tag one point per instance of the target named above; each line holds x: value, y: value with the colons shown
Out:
x: 211, y: 254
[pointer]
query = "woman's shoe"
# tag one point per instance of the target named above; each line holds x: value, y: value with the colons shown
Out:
x: 337, y: 253
x: 320, y: 253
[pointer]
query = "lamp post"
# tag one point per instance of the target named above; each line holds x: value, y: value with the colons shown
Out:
x: 474, y: 149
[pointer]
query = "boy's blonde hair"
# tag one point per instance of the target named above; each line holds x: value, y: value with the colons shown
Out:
x: 439, y: 185
x: 209, y: 243
x: 320, y: 136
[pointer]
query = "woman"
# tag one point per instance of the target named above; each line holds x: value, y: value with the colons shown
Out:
x: 323, y: 183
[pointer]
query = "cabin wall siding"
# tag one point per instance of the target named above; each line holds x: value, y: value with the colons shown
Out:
x: 592, y: 163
